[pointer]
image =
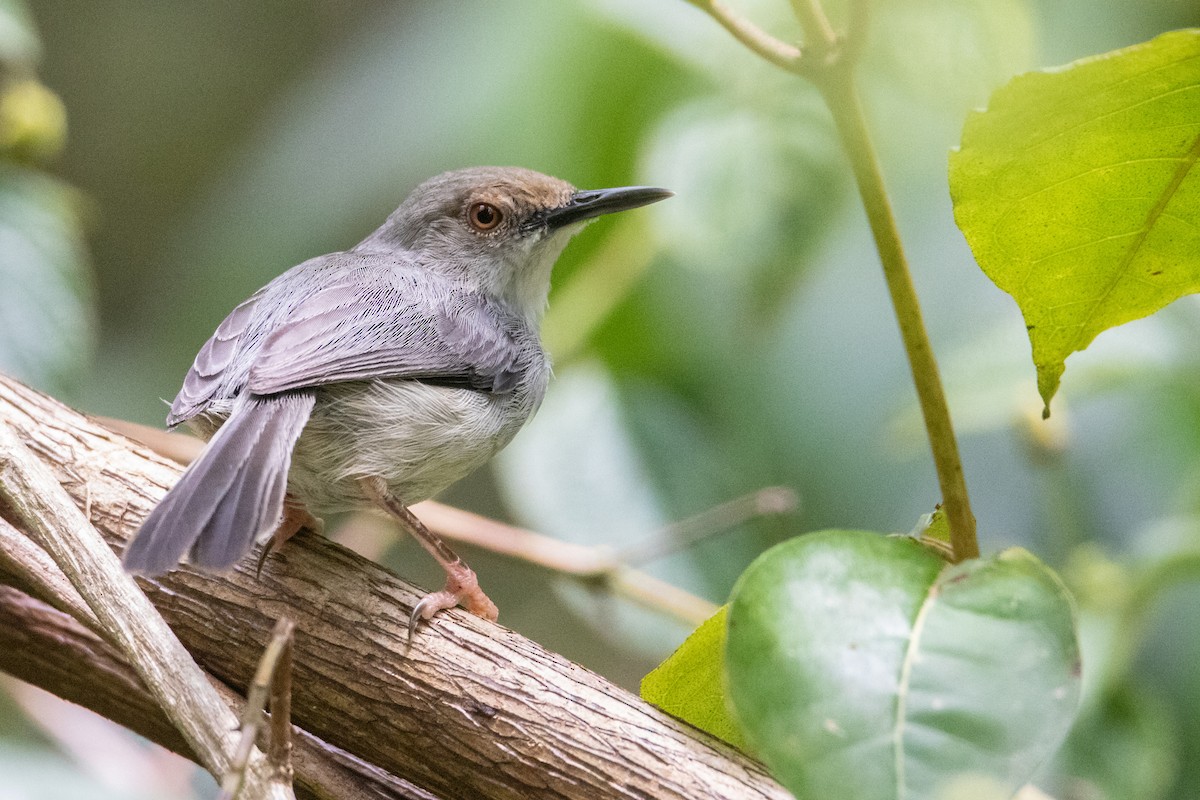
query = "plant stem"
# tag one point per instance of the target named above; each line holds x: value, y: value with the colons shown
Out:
x: 816, y: 25
x: 841, y: 95
x: 829, y: 63
x: 768, y: 47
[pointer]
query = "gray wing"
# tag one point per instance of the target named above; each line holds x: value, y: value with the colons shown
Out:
x: 210, y: 371
x: 343, y: 318
x: 416, y: 326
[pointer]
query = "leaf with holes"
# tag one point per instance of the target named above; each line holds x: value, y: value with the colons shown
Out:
x: 1078, y: 192
x: 864, y: 666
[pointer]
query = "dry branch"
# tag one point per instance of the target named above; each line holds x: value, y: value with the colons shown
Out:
x: 474, y: 711
x: 49, y: 649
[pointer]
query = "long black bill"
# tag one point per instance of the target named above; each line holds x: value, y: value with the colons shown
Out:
x: 594, y: 202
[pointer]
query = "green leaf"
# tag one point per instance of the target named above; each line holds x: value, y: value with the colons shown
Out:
x: 690, y: 684
x: 863, y: 666
x: 46, y: 322
x: 1077, y: 192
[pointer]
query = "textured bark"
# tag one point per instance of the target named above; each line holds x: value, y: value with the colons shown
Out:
x: 49, y: 649
x: 474, y: 710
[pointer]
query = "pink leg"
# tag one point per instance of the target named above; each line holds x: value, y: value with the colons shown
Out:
x: 295, y: 517
x: 461, y: 584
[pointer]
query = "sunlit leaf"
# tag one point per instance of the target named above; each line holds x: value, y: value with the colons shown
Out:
x: 1077, y: 192
x: 864, y: 666
x: 691, y: 683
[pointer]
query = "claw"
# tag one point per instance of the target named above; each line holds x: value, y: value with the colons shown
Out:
x: 425, y: 608
x: 267, y: 547
x: 461, y: 583
x: 295, y: 517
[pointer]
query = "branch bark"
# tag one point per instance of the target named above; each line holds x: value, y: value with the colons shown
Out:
x: 474, y: 711
x: 31, y: 494
x: 49, y: 649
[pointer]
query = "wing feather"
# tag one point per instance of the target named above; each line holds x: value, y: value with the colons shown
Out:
x: 206, y: 379
x: 343, y: 334
x: 354, y: 316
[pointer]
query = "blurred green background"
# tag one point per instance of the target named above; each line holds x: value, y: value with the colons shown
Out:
x: 734, y: 338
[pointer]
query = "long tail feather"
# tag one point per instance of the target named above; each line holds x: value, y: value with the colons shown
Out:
x: 231, y: 495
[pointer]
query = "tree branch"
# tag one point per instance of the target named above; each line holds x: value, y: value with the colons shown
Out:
x: 48, y: 649
x: 37, y: 503
x: 474, y: 711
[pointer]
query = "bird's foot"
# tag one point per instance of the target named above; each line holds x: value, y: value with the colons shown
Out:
x: 295, y: 517
x: 461, y: 587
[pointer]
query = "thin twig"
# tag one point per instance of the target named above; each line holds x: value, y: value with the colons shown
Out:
x: 819, y: 35
x: 687, y: 533
x: 764, y: 44
x: 276, y: 658
x: 279, y: 749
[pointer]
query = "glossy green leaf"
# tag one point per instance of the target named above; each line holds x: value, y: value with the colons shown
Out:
x: 691, y: 683
x: 1078, y: 193
x: 864, y: 666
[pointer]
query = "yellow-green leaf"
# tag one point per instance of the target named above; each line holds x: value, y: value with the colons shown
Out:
x: 1078, y: 193
x: 690, y: 683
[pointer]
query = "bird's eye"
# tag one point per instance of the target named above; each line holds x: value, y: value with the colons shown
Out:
x: 483, y: 216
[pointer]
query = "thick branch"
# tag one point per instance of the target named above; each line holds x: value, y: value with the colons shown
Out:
x: 474, y: 710
x: 48, y: 649
x: 34, y: 498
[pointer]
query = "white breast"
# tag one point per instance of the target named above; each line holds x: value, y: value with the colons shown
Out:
x: 418, y: 437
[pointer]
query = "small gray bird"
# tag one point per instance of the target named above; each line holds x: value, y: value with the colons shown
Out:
x: 377, y: 376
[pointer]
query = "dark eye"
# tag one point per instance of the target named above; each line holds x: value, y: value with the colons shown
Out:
x: 483, y: 216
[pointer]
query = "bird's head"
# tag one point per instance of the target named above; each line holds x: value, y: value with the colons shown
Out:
x: 499, y: 229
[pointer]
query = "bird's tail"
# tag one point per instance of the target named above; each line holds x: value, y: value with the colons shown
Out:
x: 231, y: 496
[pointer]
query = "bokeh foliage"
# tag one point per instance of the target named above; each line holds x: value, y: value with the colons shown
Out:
x: 742, y: 339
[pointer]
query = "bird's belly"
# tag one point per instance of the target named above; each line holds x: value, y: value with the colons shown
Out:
x: 417, y: 437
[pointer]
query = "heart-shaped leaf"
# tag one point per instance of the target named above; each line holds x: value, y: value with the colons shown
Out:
x: 864, y: 666
x: 1078, y: 193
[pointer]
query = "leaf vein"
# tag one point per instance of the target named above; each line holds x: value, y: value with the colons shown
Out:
x: 1083, y: 123
x: 910, y: 657
x: 1152, y: 218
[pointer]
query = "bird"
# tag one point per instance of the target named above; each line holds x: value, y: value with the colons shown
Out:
x: 375, y: 377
